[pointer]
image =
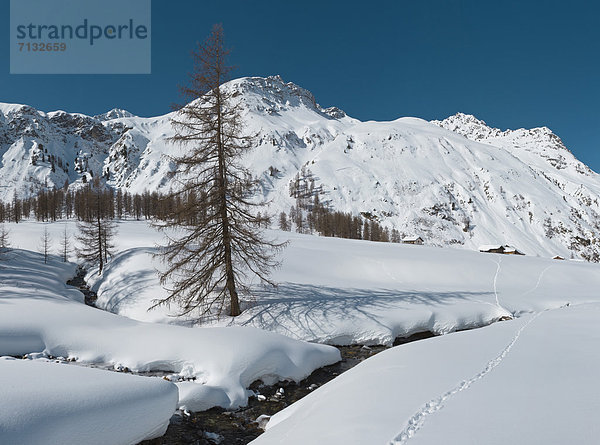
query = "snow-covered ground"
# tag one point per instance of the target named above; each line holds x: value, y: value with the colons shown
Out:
x: 527, y: 380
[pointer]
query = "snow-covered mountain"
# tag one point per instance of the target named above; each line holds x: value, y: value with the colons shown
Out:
x: 452, y: 182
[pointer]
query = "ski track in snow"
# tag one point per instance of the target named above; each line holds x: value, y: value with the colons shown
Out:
x: 416, y: 422
x: 496, y: 279
x: 539, y: 280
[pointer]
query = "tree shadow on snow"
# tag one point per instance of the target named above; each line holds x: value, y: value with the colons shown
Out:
x: 293, y: 307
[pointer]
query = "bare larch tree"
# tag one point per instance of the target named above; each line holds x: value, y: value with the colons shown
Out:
x: 214, y: 240
x: 96, y: 234
x: 45, y: 244
x: 65, y: 245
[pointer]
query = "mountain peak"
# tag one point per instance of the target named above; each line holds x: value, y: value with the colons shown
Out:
x: 115, y: 113
x: 469, y: 126
x: 272, y: 95
x: 272, y: 88
x: 466, y: 118
x: 540, y: 140
x: 12, y: 109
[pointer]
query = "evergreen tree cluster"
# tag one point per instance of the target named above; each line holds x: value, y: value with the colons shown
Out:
x: 55, y: 204
x: 308, y: 216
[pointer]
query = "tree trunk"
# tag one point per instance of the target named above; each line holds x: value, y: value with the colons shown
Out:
x: 234, y: 310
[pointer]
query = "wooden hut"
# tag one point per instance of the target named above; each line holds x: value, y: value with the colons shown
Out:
x: 499, y: 248
x: 412, y: 240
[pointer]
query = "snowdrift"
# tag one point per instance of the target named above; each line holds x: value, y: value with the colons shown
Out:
x: 47, y: 403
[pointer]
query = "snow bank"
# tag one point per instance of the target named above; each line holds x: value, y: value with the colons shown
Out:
x: 532, y: 380
x: 345, y: 291
x: 129, y: 285
x: 49, y: 403
x: 339, y: 291
x: 38, y: 313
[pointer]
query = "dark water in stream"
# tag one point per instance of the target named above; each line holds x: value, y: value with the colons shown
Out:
x: 219, y: 426
x: 240, y: 426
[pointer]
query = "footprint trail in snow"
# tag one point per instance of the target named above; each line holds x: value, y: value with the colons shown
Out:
x: 416, y: 422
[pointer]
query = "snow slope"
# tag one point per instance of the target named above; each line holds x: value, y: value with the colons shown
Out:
x: 47, y: 403
x: 453, y: 182
x: 343, y: 292
x: 40, y: 314
x: 532, y: 380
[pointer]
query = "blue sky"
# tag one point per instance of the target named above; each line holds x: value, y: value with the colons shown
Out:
x: 512, y: 63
